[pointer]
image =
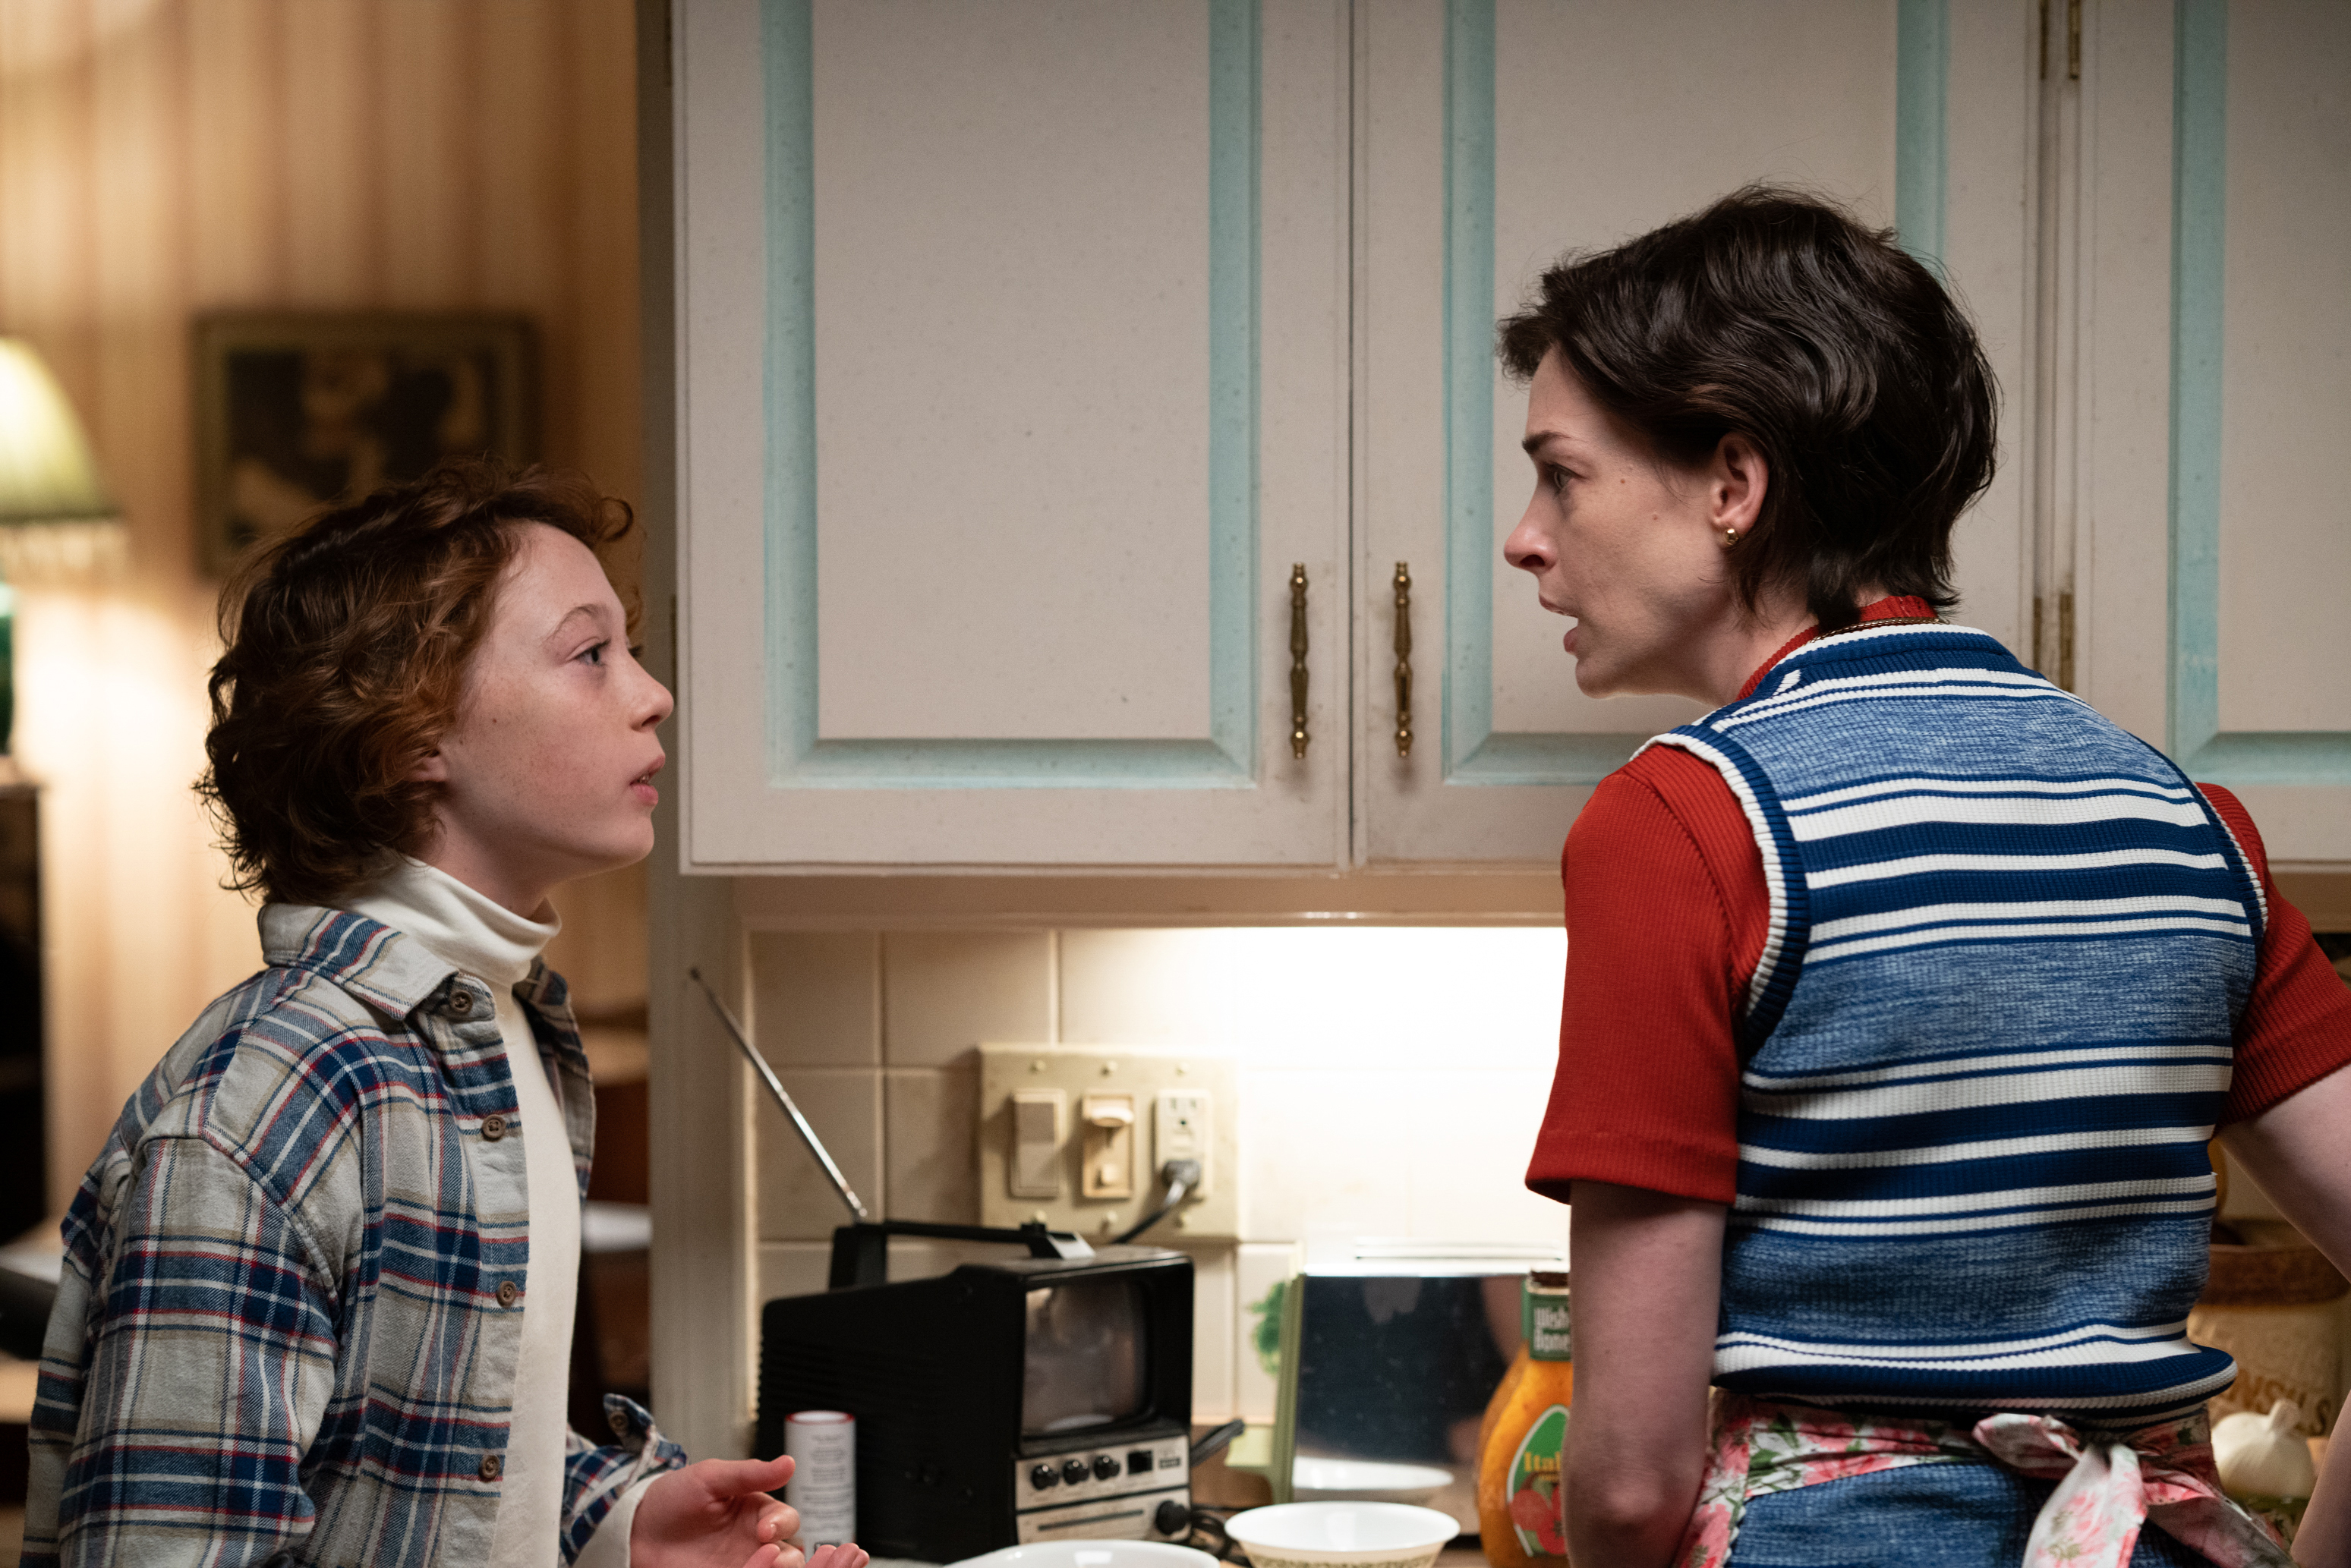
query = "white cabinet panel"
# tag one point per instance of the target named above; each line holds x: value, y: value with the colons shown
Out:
x: 1494, y: 135
x: 2218, y: 192
x: 1000, y: 239
x: 1970, y: 199
x: 1014, y: 383
x: 2284, y: 637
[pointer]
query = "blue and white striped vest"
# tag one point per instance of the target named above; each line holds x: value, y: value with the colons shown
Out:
x: 1989, y: 1039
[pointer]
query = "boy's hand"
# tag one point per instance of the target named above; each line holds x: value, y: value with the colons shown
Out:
x: 717, y: 1514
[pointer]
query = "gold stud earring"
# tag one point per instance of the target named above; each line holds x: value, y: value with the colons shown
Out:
x: 1729, y: 537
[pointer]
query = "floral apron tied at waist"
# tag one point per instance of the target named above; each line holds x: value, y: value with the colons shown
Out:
x: 2106, y: 1488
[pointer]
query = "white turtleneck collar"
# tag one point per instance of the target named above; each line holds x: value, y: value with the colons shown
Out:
x: 459, y: 923
x: 485, y: 940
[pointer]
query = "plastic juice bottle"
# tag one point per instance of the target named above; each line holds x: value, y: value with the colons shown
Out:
x: 1521, y: 1522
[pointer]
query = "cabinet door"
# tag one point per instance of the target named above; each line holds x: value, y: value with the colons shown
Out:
x: 1013, y: 385
x: 1492, y: 135
x: 2217, y: 544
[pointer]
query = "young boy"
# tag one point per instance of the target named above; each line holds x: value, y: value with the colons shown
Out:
x: 319, y: 1288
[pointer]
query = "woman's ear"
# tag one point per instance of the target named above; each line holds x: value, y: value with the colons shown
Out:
x: 431, y: 768
x: 1737, y: 484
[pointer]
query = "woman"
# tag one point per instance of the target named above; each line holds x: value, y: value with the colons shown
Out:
x: 1903, y: 990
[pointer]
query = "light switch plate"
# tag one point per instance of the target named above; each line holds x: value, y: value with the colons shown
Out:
x: 1106, y: 1147
x: 1186, y: 1099
x: 1037, y: 1133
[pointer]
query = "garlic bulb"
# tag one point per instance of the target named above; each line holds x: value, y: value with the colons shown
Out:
x: 2264, y: 1456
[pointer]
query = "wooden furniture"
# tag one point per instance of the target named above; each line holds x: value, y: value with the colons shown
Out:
x: 24, y: 1146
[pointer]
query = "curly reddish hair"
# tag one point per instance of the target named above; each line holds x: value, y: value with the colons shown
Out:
x: 345, y: 644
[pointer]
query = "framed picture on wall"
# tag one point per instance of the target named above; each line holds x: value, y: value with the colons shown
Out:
x: 296, y: 411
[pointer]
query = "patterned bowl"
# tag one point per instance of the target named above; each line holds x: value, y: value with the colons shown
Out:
x: 1342, y: 1535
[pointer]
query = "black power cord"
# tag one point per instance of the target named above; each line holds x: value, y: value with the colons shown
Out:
x: 1202, y: 1529
x: 1181, y: 1176
x: 1186, y: 1525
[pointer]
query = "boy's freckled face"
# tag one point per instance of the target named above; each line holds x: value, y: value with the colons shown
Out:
x: 547, y: 772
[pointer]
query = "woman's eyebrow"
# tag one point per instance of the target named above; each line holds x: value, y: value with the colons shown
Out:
x: 572, y: 614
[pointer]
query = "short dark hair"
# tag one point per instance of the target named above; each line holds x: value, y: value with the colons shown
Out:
x: 346, y: 643
x: 1776, y: 315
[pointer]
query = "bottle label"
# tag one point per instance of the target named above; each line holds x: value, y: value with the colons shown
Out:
x: 1537, y: 1515
x: 1549, y: 1324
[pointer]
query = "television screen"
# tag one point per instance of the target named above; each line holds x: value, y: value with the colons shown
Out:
x: 1086, y: 1355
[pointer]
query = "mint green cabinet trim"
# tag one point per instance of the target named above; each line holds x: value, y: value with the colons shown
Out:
x: 2272, y: 756
x: 1469, y: 369
x: 1921, y: 156
x: 1234, y: 93
x: 798, y: 757
x: 790, y: 381
x: 2199, y: 175
x: 1547, y: 759
x: 2200, y: 183
x: 1473, y: 753
x: 1017, y: 765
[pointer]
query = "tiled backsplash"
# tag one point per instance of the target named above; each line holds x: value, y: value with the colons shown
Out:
x: 1391, y: 1082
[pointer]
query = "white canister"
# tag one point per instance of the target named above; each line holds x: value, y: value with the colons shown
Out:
x: 824, y: 1489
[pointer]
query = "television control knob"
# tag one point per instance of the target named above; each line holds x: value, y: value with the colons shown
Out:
x: 1043, y: 1475
x: 1105, y: 1467
x: 1073, y: 1470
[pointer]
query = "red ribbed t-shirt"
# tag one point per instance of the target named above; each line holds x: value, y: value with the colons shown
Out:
x: 1666, y: 912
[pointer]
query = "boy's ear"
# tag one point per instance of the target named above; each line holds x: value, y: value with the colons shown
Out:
x: 431, y: 768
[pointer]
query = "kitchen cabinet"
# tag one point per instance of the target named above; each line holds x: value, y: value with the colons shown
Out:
x: 1023, y: 352
x: 1490, y: 137
x: 1012, y: 356
x: 2207, y: 169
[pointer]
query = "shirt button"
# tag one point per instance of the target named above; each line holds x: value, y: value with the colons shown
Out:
x: 508, y: 1292
x: 620, y: 1423
x: 494, y: 1127
x: 491, y: 1469
x: 461, y: 1001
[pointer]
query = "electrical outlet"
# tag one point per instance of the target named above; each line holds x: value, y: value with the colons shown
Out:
x: 1182, y: 1128
x: 1114, y: 1118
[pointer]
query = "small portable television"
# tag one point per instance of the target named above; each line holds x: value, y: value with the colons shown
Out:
x: 1043, y: 1397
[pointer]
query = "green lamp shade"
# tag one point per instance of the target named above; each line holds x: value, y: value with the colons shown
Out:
x: 46, y: 472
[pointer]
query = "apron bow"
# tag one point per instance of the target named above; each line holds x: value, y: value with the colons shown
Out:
x: 2107, y: 1487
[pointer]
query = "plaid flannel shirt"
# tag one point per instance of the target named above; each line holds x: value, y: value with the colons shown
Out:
x: 279, y: 1337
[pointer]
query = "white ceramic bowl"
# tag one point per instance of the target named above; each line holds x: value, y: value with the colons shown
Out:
x: 1093, y: 1555
x: 1365, y: 1480
x: 1352, y: 1534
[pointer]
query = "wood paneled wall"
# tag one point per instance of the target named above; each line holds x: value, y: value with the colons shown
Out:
x: 159, y: 158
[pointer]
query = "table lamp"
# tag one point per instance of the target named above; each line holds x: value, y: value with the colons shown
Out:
x: 47, y: 479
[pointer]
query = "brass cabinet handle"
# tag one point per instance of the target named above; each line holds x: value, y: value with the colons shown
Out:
x: 1404, y: 659
x: 1298, y: 736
